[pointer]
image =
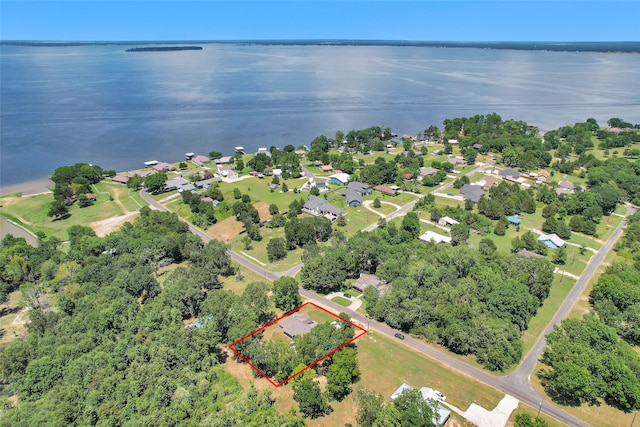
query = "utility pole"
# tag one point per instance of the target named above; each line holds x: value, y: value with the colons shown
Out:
x: 539, y: 408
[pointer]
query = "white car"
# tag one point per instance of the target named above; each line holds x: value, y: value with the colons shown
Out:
x: 440, y: 395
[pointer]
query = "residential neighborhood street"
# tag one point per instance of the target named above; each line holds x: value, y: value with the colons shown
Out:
x: 516, y: 384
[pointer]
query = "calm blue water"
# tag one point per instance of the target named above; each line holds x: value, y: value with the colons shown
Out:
x: 99, y: 104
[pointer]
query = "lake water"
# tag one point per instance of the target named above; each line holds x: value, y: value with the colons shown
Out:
x: 102, y: 105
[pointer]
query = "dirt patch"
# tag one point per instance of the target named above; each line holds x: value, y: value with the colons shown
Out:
x: 230, y: 228
x: 263, y: 211
x: 244, y: 374
x: 226, y: 230
x: 106, y: 226
x: 13, y: 319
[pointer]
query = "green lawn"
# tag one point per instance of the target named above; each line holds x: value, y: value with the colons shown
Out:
x: 31, y: 212
x: 342, y: 301
x: 384, y: 209
x: 445, y: 201
x: 259, y: 250
x: 258, y: 189
x: 559, y: 290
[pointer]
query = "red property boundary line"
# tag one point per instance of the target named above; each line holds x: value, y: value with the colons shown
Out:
x: 364, y: 331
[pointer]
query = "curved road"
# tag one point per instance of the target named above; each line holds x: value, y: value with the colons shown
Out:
x: 516, y: 384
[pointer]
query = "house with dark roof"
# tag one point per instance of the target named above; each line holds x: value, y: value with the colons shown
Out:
x: 567, y: 185
x: 296, y: 324
x: 322, y: 186
x: 370, y: 281
x: 509, y: 174
x: 320, y: 207
x: 175, y: 184
x: 471, y: 192
x: 354, y: 192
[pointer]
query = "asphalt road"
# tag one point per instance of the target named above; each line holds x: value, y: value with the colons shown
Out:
x: 516, y: 384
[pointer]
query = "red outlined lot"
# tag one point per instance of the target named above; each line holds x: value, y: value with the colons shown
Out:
x: 275, y: 384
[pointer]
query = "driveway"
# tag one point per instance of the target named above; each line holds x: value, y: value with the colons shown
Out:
x: 356, y: 302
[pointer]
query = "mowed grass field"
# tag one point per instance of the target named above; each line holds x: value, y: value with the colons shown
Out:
x: 384, y: 365
x: 31, y: 211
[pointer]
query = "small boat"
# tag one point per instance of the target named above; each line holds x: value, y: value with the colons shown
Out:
x: 189, y: 156
x: 240, y: 149
x: 151, y: 163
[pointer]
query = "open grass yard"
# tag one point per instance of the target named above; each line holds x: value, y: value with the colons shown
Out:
x: 535, y: 221
x: 258, y: 189
x: 476, y: 177
x: 430, y: 227
x: 31, y: 212
x: 232, y: 283
x: 342, y: 301
x: 176, y: 205
x: 258, y: 250
x: 445, y: 201
x: 387, y: 156
x: 357, y: 219
x: 602, y: 415
x: 608, y: 224
x: 559, y: 290
x: 317, y: 314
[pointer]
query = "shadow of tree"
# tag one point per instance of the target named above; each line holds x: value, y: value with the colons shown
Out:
x: 5, y: 311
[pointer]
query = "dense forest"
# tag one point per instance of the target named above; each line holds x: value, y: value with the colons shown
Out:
x: 114, y: 350
x: 593, y: 358
x: 469, y: 301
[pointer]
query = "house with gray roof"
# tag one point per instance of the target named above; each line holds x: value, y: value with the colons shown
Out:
x: 354, y: 192
x: 296, y: 324
x: 320, y: 207
x: 471, y: 192
x: 509, y: 174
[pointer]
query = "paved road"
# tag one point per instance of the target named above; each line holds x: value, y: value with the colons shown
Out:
x: 516, y: 384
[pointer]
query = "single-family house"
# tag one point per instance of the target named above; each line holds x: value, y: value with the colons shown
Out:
x: 354, y: 192
x: 543, y: 176
x: 276, y: 172
x: 396, y: 140
x: 441, y: 415
x: 206, y: 183
x: 225, y: 160
x: 386, y: 190
x: 175, y: 184
x: 428, y: 171
x: 514, y: 220
x: 567, y: 185
x: 320, y: 207
x: 430, y: 236
x: 437, y: 152
x: 447, y: 221
x: 296, y: 324
x: 187, y: 187
x: 509, y: 174
x: 477, y: 147
x: 163, y: 167
x: 200, y: 160
x: 528, y: 254
x: 487, y: 181
x: 326, y: 168
x: 453, y: 142
x: 471, y: 192
x: 120, y: 179
x: 339, y: 178
x: 300, y: 152
x: 90, y: 196
x: 370, y: 281
x: 552, y: 240
x: 456, y: 161
x: 322, y: 186
x: 227, y: 172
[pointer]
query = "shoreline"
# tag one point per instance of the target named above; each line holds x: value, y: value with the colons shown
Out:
x: 28, y: 188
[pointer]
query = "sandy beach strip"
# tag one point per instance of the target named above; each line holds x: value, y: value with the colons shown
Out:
x: 27, y: 188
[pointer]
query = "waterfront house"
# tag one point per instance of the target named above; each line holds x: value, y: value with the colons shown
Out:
x: 200, y: 160
x: 225, y: 160
x: 163, y: 167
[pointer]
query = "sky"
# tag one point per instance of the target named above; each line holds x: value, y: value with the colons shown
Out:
x: 453, y: 20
